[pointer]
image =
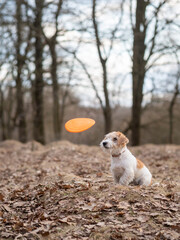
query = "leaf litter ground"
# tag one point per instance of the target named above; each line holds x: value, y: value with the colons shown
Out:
x: 65, y: 191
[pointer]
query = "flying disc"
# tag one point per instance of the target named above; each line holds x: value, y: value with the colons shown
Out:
x: 79, y: 124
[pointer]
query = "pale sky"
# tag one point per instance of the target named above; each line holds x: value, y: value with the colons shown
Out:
x: 119, y: 64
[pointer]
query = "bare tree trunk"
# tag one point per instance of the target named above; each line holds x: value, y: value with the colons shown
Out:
x: 65, y: 95
x: 38, y: 84
x: 171, y: 113
x: 21, y: 120
x: 11, y: 122
x: 138, y: 69
x: 3, y: 132
x: 106, y: 108
x: 51, y: 42
x: 56, y: 105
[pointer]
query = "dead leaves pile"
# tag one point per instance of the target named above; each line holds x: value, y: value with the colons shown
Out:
x: 64, y: 191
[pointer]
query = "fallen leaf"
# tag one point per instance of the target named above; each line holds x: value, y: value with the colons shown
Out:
x: 99, y: 174
x: 6, y: 234
x: 142, y: 219
x: 1, y: 197
x: 120, y: 214
x: 123, y: 205
x: 18, y: 204
x: 64, y: 220
x: 101, y: 224
x: 18, y: 225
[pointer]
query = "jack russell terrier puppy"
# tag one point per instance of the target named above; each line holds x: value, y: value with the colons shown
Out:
x: 125, y: 167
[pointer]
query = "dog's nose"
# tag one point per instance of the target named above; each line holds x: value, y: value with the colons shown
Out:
x: 104, y: 144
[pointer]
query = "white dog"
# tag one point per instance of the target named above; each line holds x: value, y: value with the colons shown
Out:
x: 124, y: 166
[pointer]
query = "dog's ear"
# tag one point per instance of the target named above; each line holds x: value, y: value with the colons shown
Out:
x: 122, y: 139
x: 105, y: 136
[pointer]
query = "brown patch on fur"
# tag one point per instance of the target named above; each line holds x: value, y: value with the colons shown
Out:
x: 150, y: 182
x: 122, y: 139
x: 139, y: 164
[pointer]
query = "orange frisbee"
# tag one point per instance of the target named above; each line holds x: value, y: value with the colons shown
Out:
x: 79, y: 124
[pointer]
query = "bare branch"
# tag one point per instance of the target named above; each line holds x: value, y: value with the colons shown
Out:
x: 156, y: 31
x: 59, y: 8
x: 115, y: 30
x: 87, y: 73
x: 131, y: 15
x: 91, y: 80
x: 98, y: 42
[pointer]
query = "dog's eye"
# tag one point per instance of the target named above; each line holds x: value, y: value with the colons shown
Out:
x: 115, y: 139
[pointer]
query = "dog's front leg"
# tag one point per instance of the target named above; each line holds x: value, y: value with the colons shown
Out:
x: 127, y: 177
x: 115, y: 177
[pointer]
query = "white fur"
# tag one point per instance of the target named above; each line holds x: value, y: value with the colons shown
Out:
x: 124, y: 167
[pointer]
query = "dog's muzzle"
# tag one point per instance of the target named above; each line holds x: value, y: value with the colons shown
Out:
x: 105, y: 144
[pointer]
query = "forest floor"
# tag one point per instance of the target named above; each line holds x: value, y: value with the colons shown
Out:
x: 65, y: 191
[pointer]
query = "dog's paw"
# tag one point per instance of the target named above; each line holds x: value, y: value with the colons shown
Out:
x: 124, y: 183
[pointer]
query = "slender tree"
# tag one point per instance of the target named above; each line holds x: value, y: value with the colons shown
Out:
x: 103, y: 56
x: 171, y: 114
x: 38, y: 121
x: 146, y: 53
x: 175, y: 94
x: 107, y: 108
x: 52, y: 42
x: 20, y: 113
x: 2, y: 113
x: 138, y: 73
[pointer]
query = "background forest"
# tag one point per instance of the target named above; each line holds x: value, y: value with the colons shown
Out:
x: 116, y: 61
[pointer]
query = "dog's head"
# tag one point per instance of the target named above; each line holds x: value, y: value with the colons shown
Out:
x: 114, y: 141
